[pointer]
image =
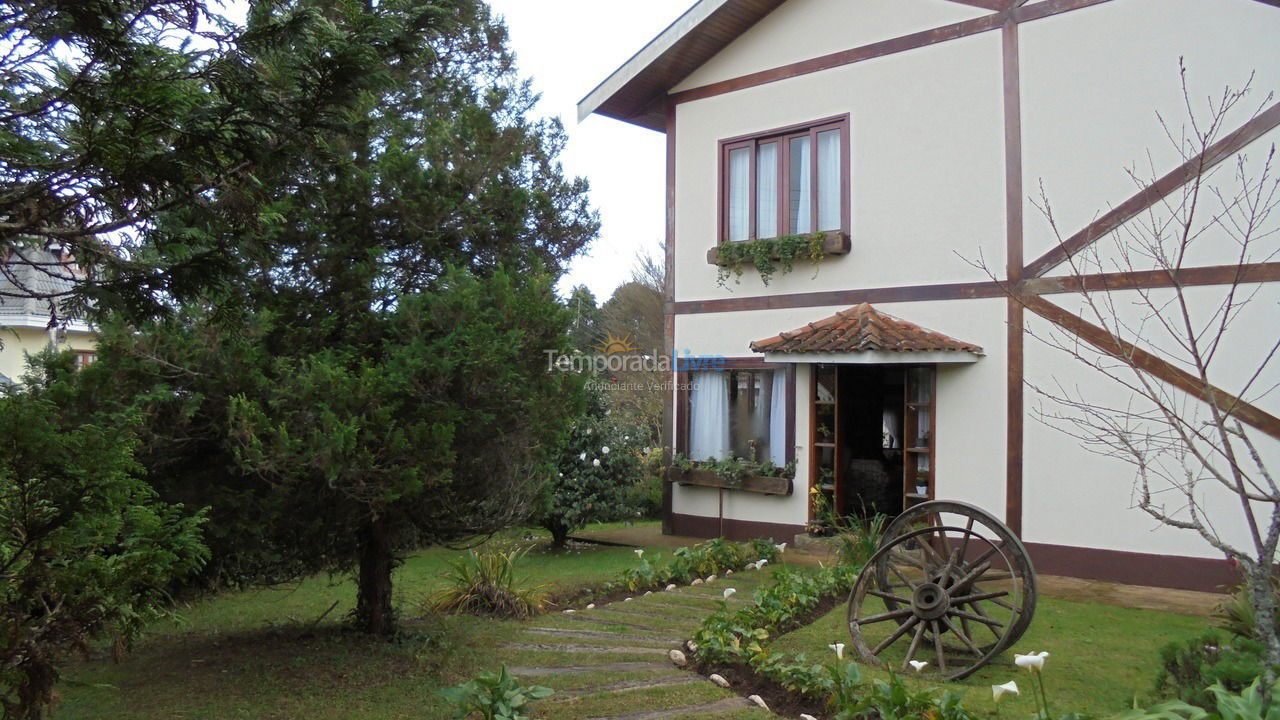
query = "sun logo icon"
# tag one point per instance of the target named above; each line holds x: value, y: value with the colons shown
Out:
x: 614, y: 345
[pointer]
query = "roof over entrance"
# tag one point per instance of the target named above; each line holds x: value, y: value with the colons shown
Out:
x: 864, y: 334
x: 636, y: 92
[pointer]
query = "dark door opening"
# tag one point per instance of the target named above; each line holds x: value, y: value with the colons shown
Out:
x: 872, y: 439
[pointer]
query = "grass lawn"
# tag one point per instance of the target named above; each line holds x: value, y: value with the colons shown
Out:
x: 250, y: 655
x: 1100, y: 656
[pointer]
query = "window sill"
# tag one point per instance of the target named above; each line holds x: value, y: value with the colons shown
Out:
x: 834, y: 242
x: 750, y: 483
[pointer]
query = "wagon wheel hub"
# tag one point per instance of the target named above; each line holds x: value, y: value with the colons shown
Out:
x: 930, y: 601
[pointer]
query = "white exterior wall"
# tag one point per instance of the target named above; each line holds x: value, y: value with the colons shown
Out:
x: 927, y: 192
x: 16, y: 343
x: 927, y: 166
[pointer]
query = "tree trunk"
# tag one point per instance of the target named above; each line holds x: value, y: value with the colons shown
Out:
x: 1263, y: 597
x: 559, y: 534
x: 373, y: 604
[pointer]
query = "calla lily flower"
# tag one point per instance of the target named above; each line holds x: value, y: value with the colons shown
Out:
x: 918, y: 665
x: 639, y: 552
x: 999, y: 691
x: 728, y: 592
x: 1031, y: 661
x: 583, y: 457
x: 782, y: 547
x: 839, y: 650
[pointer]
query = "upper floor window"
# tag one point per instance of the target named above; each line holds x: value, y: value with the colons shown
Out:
x: 790, y: 181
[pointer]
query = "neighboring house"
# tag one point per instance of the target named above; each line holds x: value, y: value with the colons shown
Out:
x: 31, y: 280
x: 916, y: 134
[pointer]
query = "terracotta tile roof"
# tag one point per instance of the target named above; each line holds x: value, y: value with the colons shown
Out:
x: 860, y: 328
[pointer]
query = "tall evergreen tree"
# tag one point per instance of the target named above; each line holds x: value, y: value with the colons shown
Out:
x: 385, y: 384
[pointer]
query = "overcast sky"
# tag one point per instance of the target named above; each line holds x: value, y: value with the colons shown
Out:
x: 567, y: 47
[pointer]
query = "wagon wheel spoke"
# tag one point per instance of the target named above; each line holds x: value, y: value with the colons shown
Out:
x: 902, y: 577
x: 979, y: 597
x: 889, y: 596
x: 979, y: 617
x: 963, y: 637
x: 902, y: 630
x: 891, y: 615
x: 937, y: 647
x: 915, y: 644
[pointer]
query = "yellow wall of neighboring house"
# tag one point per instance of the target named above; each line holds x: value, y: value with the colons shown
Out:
x: 18, y: 342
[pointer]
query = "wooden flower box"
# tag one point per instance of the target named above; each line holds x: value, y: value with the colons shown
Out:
x: 750, y: 483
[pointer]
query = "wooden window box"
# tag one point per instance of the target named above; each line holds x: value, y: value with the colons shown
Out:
x: 835, y: 242
x: 750, y: 483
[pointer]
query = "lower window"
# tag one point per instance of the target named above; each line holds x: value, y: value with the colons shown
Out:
x: 738, y: 413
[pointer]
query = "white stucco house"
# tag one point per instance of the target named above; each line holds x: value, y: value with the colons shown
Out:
x: 915, y: 136
x: 30, y: 281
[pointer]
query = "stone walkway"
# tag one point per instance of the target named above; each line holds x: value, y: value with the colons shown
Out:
x: 612, y: 662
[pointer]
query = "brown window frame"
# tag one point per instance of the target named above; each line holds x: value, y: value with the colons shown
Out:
x: 783, y: 137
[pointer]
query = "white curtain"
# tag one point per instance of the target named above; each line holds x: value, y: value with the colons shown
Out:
x: 778, y: 419
x: 709, y: 416
x: 801, y: 192
x: 767, y: 190
x: 829, y: 180
x: 739, y: 194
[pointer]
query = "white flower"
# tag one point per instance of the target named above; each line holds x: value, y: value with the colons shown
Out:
x: 839, y: 650
x: 583, y: 457
x: 596, y: 462
x: 639, y: 552
x: 781, y: 547
x: 999, y: 691
x: 1031, y: 661
x: 588, y: 431
x: 647, y: 450
x: 761, y: 563
x: 917, y: 665
x: 605, y: 449
x: 728, y: 592
x: 626, y: 438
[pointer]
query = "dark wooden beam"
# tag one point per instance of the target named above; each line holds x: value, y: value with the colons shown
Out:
x: 669, y: 436
x: 1262, y: 123
x: 912, y: 41
x: 992, y: 5
x: 1013, y: 267
x: 909, y: 293
x: 1135, y: 280
x: 1155, y: 366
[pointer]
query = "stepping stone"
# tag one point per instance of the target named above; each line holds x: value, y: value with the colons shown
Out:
x: 667, y: 619
x: 577, y: 669
x: 625, y: 685
x: 610, y: 621
x: 595, y: 635
x: 726, y: 705
x: 587, y: 648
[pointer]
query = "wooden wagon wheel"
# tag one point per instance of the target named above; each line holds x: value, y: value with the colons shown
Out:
x: 974, y: 518
x: 951, y: 599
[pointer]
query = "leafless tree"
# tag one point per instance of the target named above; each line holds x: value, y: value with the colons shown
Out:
x: 1187, y: 419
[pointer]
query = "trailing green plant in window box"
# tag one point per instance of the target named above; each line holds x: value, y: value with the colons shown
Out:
x: 733, y: 471
x: 768, y: 255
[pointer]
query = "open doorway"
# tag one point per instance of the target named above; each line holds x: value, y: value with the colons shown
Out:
x: 872, y: 428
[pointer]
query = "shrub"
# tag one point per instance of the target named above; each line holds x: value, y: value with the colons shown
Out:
x: 495, y: 697
x: 1188, y: 667
x: 858, y: 540
x: 1235, y: 614
x: 1245, y: 704
x: 595, y: 471
x: 485, y: 584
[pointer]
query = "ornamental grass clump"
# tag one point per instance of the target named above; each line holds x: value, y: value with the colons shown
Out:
x: 485, y: 584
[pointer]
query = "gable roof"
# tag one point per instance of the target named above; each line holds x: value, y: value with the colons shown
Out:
x: 40, y: 272
x: 636, y: 92
x: 862, y: 328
